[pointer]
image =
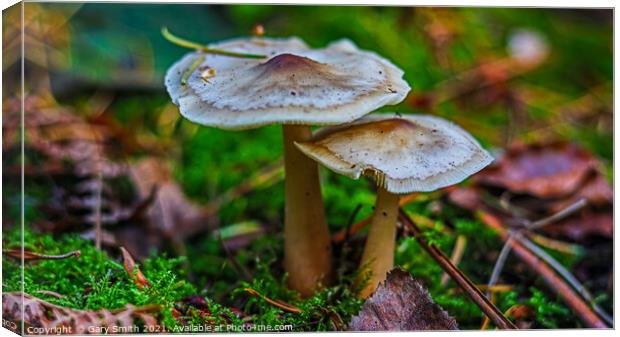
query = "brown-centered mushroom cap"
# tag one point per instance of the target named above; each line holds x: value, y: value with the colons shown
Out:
x: 293, y: 85
x: 408, y: 153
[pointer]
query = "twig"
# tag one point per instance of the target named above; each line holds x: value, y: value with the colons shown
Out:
x: 279, y: 304
x: 557, y: 245
x: 461, y: 279
x: 345, y: 249
x: 457, y: 255
x: 188, y: 72
x: 499, y: 264
x: 528, y: 225
x: 267, y: 175
x: 28, y: 255
x: 233, y: 260
x: 98, y: 186
x: 555, y: 282
x: 347, y: 228
x: 98, y: 192
x: 570, y: 278
x: 193, y: 45
x: 581, y: 203
x: 340, y: 235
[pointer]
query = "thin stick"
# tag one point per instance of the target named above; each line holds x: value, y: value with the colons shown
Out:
x: 581, y: 203
x: 555, y: 282
x: 282, y: 305
x: 191, y: 69
x: 98, y: 186
x: 557, y: 245
x: 28, y: 255
x: 512, y: 235
x: 347, y: 228
x: 457, y: 255
x: 266, y: 176
x: 499, y: 264
x: 570, y: 278
x: 340, y: 235
x: 193, y: 45
x: 496, y: 316
x: 241, y: 269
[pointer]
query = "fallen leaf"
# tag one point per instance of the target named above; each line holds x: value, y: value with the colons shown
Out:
x: 50, y: 317
x: 134, y: 272
x: 551, y: 170
x: 586, y: 225
x: 595, y: 189
x: 171, y: 212
x: 400, y: 303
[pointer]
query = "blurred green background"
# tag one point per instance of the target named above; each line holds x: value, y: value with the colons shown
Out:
x: 565, y: 95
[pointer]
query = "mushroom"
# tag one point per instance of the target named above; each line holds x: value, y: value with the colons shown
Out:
x: 404, y: 154
x: 297, y: 87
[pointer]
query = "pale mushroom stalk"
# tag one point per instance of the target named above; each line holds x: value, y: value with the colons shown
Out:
x: 307, y: 245
x: 378, y: 256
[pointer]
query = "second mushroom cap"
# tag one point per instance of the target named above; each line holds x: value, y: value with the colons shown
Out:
x: 409, y: 153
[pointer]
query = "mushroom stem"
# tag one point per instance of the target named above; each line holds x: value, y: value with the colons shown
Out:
x: 378, y: 256
x: 307, y: 245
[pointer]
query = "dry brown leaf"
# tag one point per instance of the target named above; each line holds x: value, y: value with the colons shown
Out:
x: 134, y: 272
x: 588, y: 224
x: 46, y: 318
x: 596, y: 190
x: 171, y: 212
x: 551, y: 170
x: 400, y: 303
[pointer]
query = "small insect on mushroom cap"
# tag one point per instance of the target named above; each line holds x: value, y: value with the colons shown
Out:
x: 404, y: 154
x: 293, y: 84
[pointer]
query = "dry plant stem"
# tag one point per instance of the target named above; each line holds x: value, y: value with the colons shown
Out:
x: 555, y: 282
x: 342, y: 234
x: 307, y: 244
x: 570, y: 278
x: 455, y: 258
x: 501, y: 261
x: 378, y: 256
x: 490, y: 310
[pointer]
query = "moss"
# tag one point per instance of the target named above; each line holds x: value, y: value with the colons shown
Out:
x: 94, y: 280
x: 325, y: 311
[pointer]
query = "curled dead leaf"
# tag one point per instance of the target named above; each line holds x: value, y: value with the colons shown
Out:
x: 401, y: 303
x: 134, y: 272
x: 52, y: 319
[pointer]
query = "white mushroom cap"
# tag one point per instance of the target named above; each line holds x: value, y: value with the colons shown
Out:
x: 293, y: 85
x: 408, y: 153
